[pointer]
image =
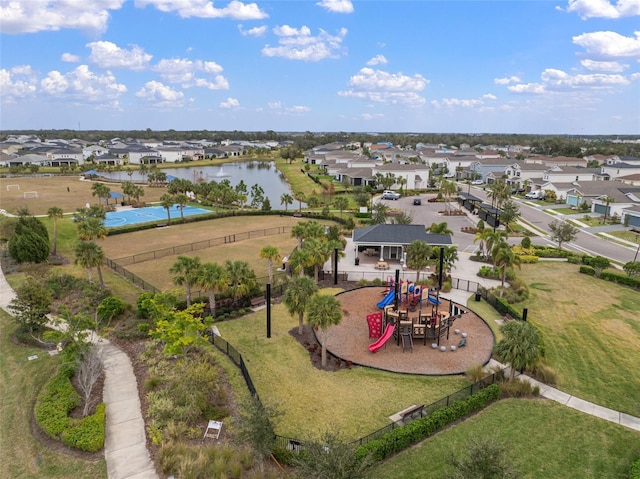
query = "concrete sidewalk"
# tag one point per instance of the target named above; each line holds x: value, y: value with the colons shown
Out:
x: 578, y: 404
x: 125, y: 448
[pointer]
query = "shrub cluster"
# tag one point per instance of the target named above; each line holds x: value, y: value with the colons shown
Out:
x: 612, y: 276
x: 405, y: 436
x: 634, y: 472
x: 56, y: 399
x: 549, y: 252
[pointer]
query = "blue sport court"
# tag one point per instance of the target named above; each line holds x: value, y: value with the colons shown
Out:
x: 149, y: 213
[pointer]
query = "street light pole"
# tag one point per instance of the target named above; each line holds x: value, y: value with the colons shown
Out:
x: 637, y: 250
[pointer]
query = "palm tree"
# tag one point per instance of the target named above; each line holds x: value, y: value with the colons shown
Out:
x: 92, y: 228
x: 286, y: 199
x: 101, y: 191
x: 299, y: 260
x: 300, y: 196
x: 482, y: 237
x: 54, y: 213
x: 181, y: 199
x: 493, y: 241
x: 505, y: 258
x: 186, y: 269
x: 323, y: 311
x: 317, y: 253
x: 607, y: 201
x: 519, y: 346
x: 448, y: 188
x: 297, y: 296
x: 167, y: 202
x: 440, y: 228
x: 242, y: 279
x: 305, y: 230
x: 271, y: 254
x: 509, y: 214
x: 449, y: 257
x: 418, y: 256
x: 212, y: 278
x: 88, y: 255
x: 341, y: 203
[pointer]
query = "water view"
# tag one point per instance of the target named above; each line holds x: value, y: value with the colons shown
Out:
x: 262, y: 173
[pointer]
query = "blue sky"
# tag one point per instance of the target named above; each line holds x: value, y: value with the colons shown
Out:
x: 541, y: 67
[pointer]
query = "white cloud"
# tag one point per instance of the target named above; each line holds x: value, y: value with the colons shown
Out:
x: 558, y: 80
x: 299, y: 44
x: 34, y: 16
x: 83, y: 85
x: 603, y: 8
x: 17, y: 82
x: 279, y: 108
x: 609, y: 45
x: 385, y: 87
x: 161, y: 95
x: 184, y: 71
x: 593, y: 65
x: 377, y: 60
x: 69, y: 58
x: 371, y: 116
x: 489, y: 96
x: 458, y: 102
x: 205, y: 9
x: 253, y: 32
x: 507, y: 80
x: 337, y: 6
x: 230, y: 104
x: 110, y: 55
x: 536, y: 88
x: 289, y: 31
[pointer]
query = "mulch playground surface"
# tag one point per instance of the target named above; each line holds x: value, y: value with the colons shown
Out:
x: 350, y: 340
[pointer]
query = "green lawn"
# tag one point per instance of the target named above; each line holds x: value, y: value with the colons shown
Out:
x: 21, y: 455
x: 627, y: 235
x: 546, y: 439
x: 591, y: 330
x: 354, y: 401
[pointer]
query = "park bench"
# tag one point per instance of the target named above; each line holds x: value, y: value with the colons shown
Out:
x: 411, y: 412
x: 161, y: 225
x: 258, y: 301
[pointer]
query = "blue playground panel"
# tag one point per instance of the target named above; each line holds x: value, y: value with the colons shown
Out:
x: 148, y: 213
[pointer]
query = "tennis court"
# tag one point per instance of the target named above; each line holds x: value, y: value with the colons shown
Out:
x: 149, y: 213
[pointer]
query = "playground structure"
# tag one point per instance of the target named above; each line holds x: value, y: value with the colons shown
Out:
x: 397, y: 320
x: 350, y: 340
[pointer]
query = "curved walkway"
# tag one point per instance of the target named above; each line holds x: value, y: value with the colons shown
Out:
x: 125, y: 447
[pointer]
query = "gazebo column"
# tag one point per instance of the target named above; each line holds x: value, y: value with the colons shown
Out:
x: 382, y: 252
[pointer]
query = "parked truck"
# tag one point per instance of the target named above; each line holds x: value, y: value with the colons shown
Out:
x: 536, y: 195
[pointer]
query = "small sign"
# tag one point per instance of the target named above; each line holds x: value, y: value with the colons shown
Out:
x: 363, y: 209
x: 31, y: 358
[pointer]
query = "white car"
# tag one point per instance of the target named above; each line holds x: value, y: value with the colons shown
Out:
x: 390, y: 195
x: 477, y: 182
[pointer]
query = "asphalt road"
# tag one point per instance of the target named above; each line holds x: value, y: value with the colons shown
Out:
x: 585, y: 242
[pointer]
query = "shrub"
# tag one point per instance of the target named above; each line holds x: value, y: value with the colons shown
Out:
x: 528, y: 259
x: 587, y: 270
x: 526, y: 242
x: 53, y: 404
x: 634, y: 472
x: 401, y: 438
x: 620, y: 279
x: 519, y: 388
x: 545, y: 374
x: 475, y: 373
x: 87, y: 434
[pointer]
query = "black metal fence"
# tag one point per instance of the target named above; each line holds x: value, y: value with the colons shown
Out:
x: 203, y: 244
x: 291, y: 443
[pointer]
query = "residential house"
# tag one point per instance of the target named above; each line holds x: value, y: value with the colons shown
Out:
x: 616, y: 167
x: 527, y: 175
x: 65, y: 156
x: 416, y: 177
x: 549, y: 161
x: 389, y: 241
x: 481, y: 169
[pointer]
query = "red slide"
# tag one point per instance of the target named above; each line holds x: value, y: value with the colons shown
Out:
x: 385, y: 337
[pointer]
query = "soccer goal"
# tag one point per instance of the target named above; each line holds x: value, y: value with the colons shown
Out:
x: 30, y: 194
x: 13, y: 187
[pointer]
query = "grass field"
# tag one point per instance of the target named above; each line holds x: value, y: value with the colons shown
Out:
x: 591, y: 330
x: 23, y: 456
x: 354, y: 401
x: 544, y: 438
x: 52, y: 191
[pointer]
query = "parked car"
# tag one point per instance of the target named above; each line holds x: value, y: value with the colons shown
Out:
x: 477, y: 182
x: 417, y: 202
x: 535, y: 195
x: 390, y: 195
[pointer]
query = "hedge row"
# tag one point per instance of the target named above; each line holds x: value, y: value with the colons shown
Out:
x: 613, y: 277
x: 403, y: 437
x: 223, y: 214
x: 54, y: 402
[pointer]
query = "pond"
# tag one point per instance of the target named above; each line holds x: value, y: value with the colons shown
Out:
x: 262, y: 173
